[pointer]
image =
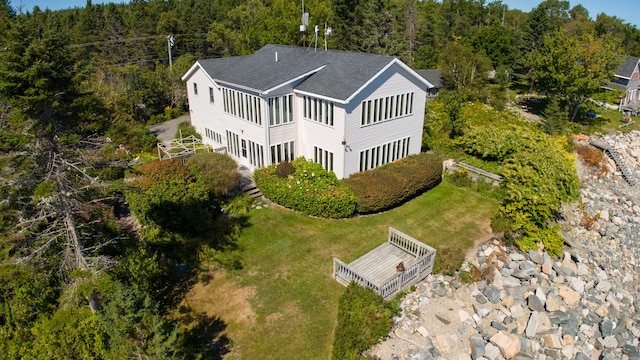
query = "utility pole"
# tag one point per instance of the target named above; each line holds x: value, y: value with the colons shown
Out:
x: 170, y: 42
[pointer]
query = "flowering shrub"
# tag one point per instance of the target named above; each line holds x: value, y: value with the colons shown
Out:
x: 310, y: 189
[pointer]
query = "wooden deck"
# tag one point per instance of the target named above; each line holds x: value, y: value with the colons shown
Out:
x: 380, y: 263
x: 377, y: 268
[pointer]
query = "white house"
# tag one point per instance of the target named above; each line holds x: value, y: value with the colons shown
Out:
x: 347, y: 111
x: 626, y: 78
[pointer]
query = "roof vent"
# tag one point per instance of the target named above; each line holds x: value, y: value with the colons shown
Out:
x: 276, y: 56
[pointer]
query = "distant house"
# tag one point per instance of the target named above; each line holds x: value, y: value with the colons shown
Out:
x: 626, y: 78
x: 347, y: 111
x: 434, y: 77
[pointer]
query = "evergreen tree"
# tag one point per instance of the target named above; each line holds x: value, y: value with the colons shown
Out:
x: 555, y: 118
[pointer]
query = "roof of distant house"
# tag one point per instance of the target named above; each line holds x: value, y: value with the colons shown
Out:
x: 627, y: 67
x: 433, y: 76
x: 331, y: 73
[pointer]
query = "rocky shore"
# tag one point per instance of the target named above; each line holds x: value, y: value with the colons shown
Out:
x: 584, y: 305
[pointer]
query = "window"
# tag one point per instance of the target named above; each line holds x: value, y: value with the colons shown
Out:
x: 195, y: 89
x: 233, y: 143
x: 387, y: 108
x: 256, y: 154
x: 211, y: 95
x: 384, y: 154
x: 280, y: 110
x: 323, y: 157
x: 318, y: 110
x: 282, y: 152
x: 210, y: 134
x: 244, y: 106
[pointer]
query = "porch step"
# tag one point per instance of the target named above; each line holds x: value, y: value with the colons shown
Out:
x: 252, y: 190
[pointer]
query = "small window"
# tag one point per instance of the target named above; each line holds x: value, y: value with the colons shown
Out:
x: 195, y: 89
x: 211, y: 95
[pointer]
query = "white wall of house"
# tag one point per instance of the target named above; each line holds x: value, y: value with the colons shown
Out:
x: 211, y: 115
x: 392, y: 82
x: 311, y: 138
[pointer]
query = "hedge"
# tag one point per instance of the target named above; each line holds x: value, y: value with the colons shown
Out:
x: 310, y: 189
x: 363, y: 319
x: 393, y: 184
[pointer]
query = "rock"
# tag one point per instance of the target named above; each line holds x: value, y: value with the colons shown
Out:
x: 534, y: 303
x: 606, y: 328
x: 491, y: 351
x: 497, y: 325
x: 536, y: 256
x: 603, y: 286
x: 552, y: 341
x: 492, y: 294
x: 422, y: 331
x: 570, y: 296
x: 481, y: 311
x: 508, y: 344
x: 553, y: 303
x: 463, y: 315
x: 576, y: 284
x: 610, y: 342
x: 545, y: 323
x: 477, y: 347
x: 532, y: 325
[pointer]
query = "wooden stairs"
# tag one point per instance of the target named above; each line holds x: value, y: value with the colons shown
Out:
x: 615, y: 155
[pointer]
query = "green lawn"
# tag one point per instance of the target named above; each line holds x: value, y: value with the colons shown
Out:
x: 287, y: 262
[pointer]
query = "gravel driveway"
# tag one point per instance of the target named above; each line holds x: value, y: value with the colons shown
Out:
x: 166, y: 131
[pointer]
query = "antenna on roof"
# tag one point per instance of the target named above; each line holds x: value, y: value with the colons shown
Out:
x: 315, y: 36
x: 327, y: 34
x: 304, y: 22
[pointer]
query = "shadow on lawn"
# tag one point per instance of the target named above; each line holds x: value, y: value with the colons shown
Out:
x: 205, y: 336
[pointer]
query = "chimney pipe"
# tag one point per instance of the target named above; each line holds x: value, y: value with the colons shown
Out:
x: 276, y: 56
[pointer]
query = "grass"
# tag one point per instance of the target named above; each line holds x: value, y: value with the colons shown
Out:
x: 287, y: 265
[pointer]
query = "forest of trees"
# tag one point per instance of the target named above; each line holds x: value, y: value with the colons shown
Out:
x: 78, y: 87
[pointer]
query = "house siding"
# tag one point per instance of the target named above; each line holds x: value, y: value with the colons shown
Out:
x: 393, y: 81
x: 205, y: 115
x: 311, y: 138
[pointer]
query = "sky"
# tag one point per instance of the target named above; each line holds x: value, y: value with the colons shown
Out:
x: 628, y: 10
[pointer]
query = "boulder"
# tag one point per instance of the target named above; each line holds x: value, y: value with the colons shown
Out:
x: 508, y: 344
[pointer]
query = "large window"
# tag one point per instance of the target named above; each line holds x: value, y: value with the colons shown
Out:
x: 242, y: 105
x: 256, y: 154
x: 280, y: 110
x: 282, y: 152
x: 233, y: 143
x: 323, y: 157
x: 217, y: 137
x: 387, y: 108
x: 383, y: 154
x: 318, y: 110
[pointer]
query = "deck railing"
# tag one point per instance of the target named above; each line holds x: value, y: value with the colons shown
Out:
x: 407, y: 243
x: 345, y: 275
x: 413, y: 273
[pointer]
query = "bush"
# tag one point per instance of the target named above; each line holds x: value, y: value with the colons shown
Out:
x: 363, y: 319
x: 284, y: 169
x: 392, y: 184
x: 185, y: 129
x: 218, y: 171
x: 310, y: 190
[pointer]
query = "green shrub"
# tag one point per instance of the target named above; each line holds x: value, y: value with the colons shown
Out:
x: 363, y: 320
x: 310, y: 190
x: 133, y: 135
x: 392, y: 184
x: 185, y: 129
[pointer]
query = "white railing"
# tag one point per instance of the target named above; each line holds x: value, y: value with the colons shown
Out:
x: 413, y: 273
x: 407, y: 243
x: 345, y: 275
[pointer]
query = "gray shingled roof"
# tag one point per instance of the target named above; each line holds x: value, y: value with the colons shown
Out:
x: 344, y: 74
x: 626, y: 68
x: 433, y: 76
